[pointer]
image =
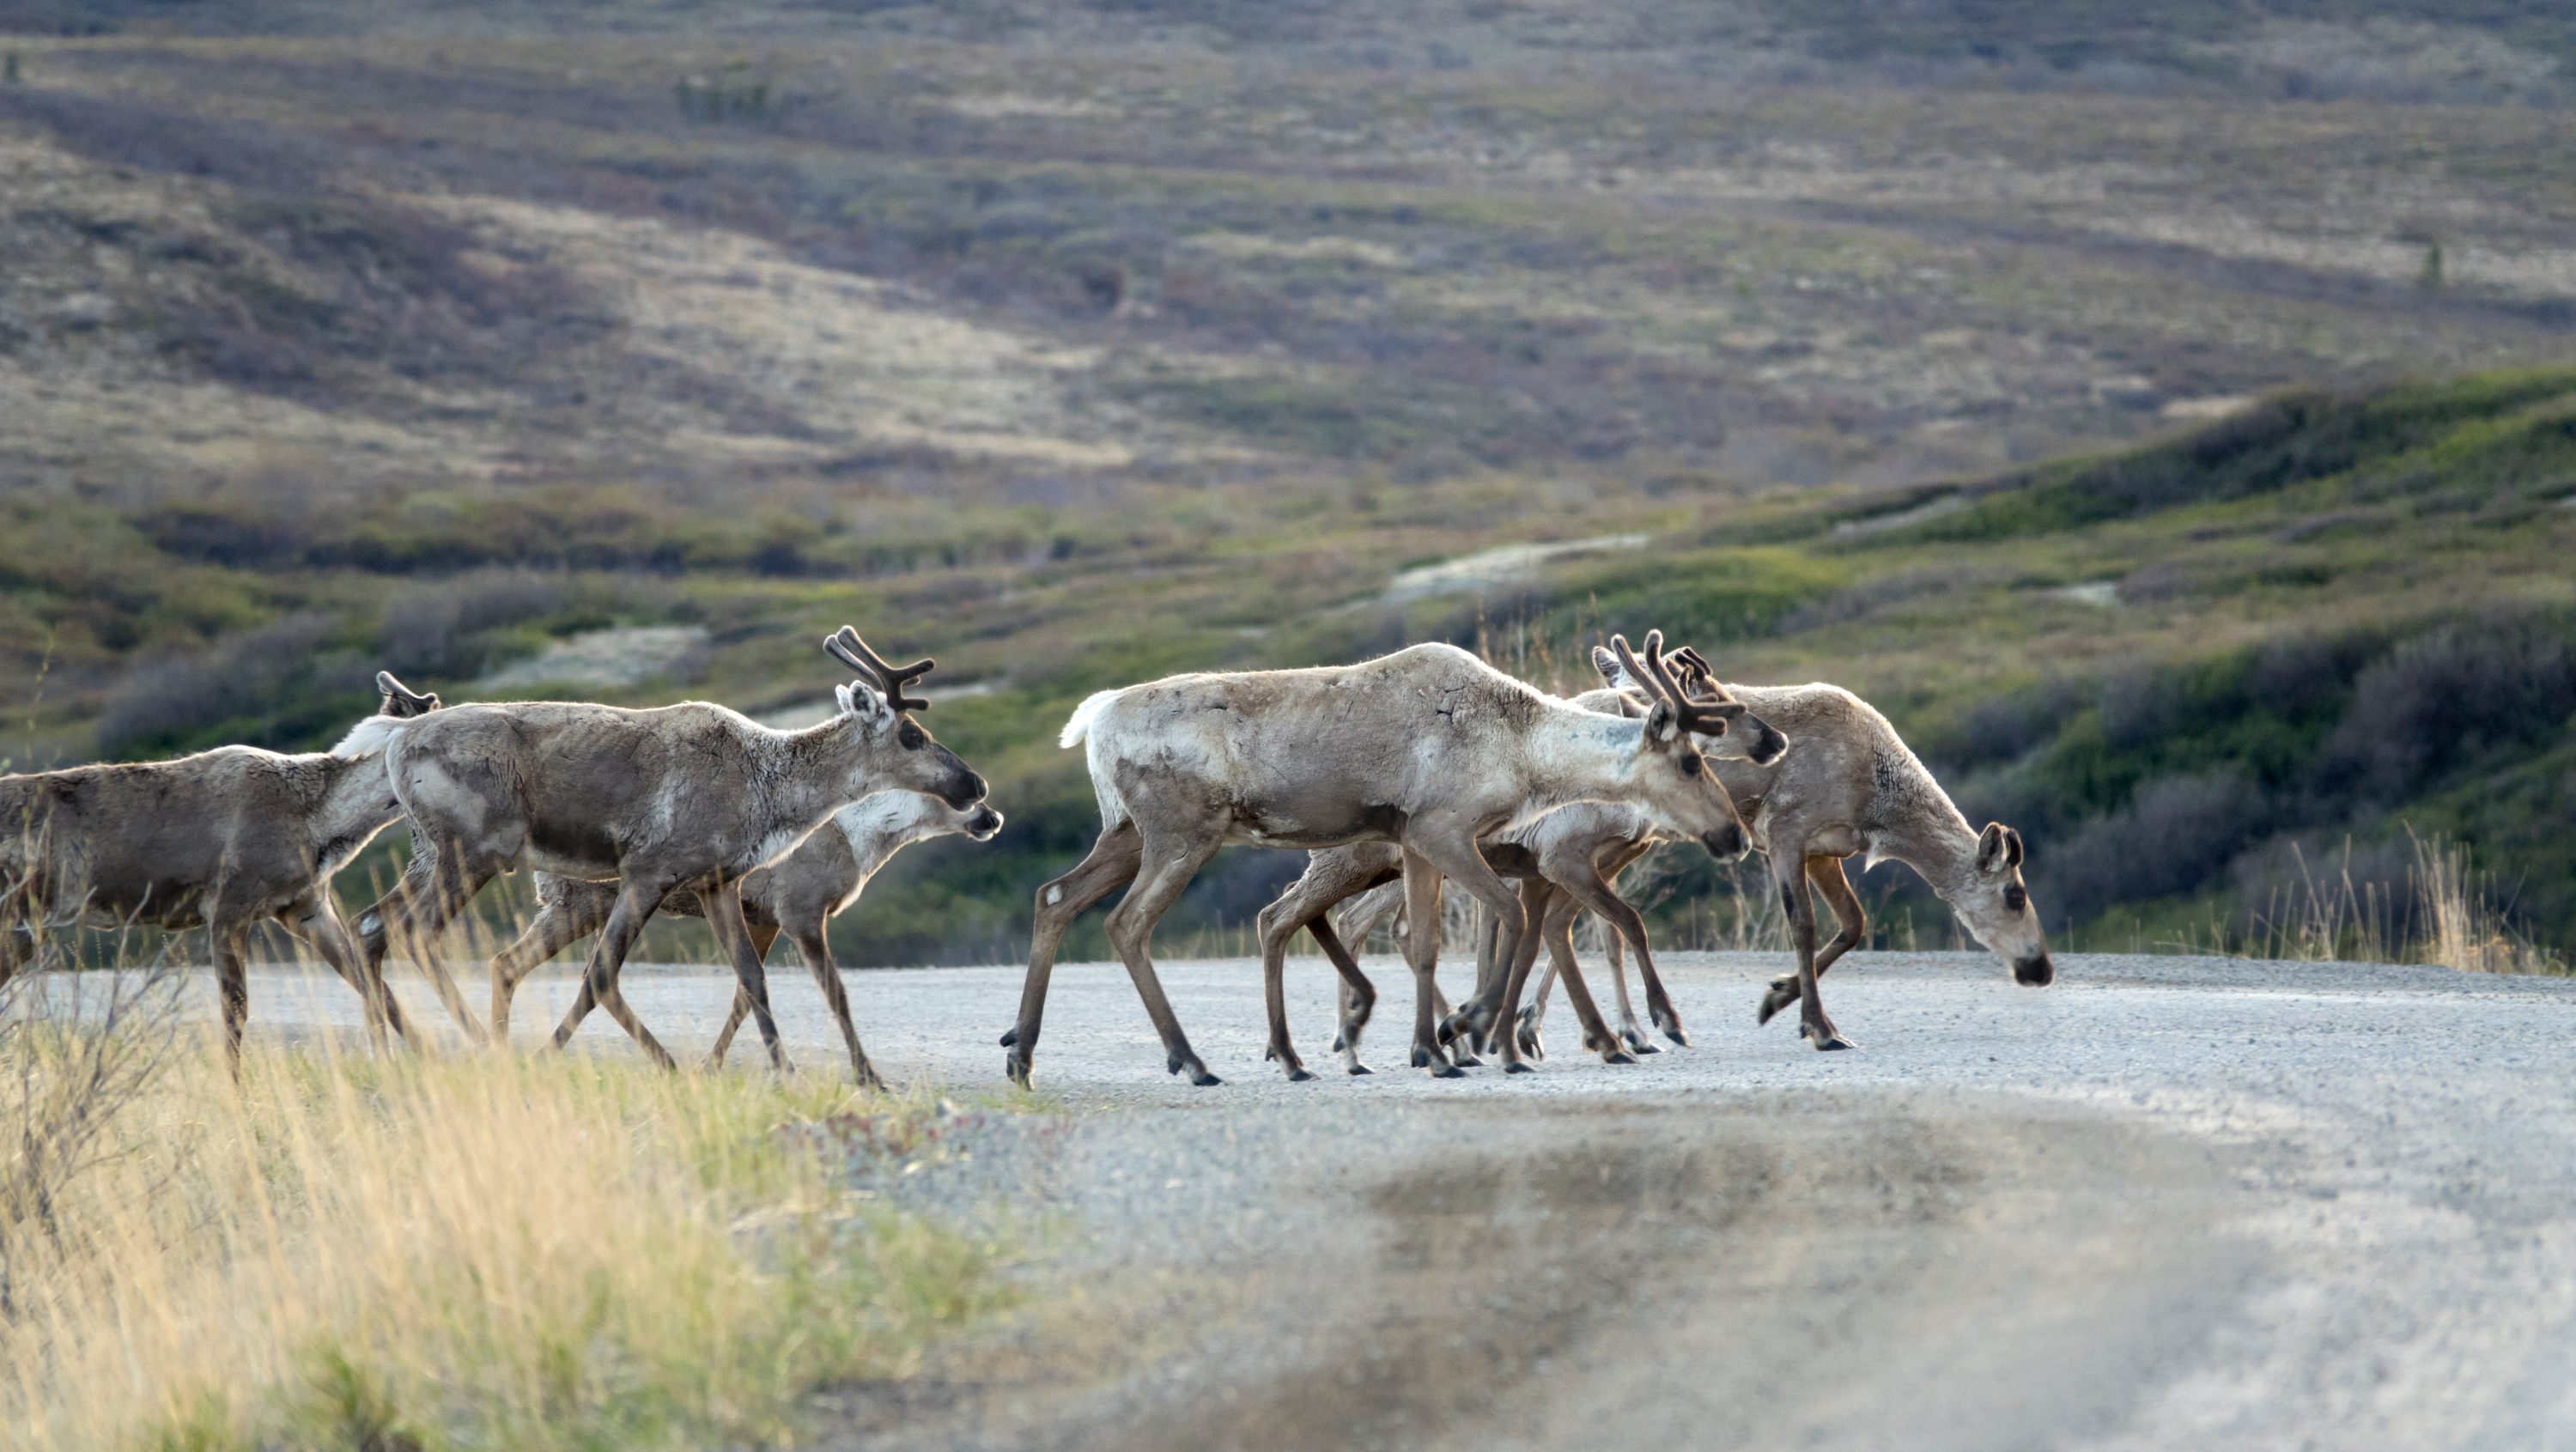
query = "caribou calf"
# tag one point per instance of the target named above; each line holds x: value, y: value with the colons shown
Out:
x: 799, y: 896
x: 693, y: 793
x: 1429, y: 747
x: 220, y: 840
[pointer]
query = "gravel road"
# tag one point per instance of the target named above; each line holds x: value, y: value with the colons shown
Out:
x: 2168, y: 1202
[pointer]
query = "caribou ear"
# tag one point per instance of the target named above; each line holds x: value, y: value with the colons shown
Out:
x: 2012, y: 847
x: 1662, y: 724
x: 1990, y: 846
x: 859, y: 700
x: 1606, y: 663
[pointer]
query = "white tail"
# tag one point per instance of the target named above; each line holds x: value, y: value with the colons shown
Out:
x: 369, y: 737
x: 1078, y: 725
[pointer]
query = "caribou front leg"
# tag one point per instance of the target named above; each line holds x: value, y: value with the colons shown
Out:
x: 1422, y: 955
x: 733, y: 935
x: 636, y: 900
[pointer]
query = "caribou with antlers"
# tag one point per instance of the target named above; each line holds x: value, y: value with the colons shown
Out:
x: 799, y: 896
x: 1570, y: 854
x: 1429, y: 747
x: 223, y: 840
x: 652, y: 799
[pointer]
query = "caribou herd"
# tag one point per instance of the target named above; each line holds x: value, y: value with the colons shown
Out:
x: 1397, y: 776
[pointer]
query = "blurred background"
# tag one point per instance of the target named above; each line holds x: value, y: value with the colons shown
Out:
x: 2166, y: 414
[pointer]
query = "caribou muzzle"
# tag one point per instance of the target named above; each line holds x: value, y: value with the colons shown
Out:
x: 1726, y: 843
x: 983, y: 824
x: 2038, y: 972
x: 963, y: 788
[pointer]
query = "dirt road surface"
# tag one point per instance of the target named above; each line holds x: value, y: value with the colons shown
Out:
x: 2171, y: 1202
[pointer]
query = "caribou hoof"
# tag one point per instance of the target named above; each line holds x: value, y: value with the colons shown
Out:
x: 1010, y: 1037
x: 1017, y: 1068
x: 1638, y: 1042
x: 1827, y: 1040
x: 1465, y: 1058
x: 1517, y: 1067
x: 1780, y: 995
x: 1531, y: 1046
x: 1295, y: 1076
x: 1359, y: 1069
x: 1615, y: 1057
x: 1447, y: 1071
x: 1672, y: 1028
x: 1337, y: 1043
x: 1201, y: 1078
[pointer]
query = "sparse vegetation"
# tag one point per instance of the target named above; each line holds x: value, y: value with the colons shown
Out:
x: 486, y: 1251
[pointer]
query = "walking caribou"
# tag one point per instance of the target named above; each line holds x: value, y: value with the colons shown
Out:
x: 654, y: 799
x: 1853, y: 786
x: 223, y: 840
x: 1429, y: 747
x: 799, y: 896
x: 1554, y: 855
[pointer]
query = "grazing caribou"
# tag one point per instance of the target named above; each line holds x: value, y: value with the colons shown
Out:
x: 1429, y: 747
x: 686, y: 794
x: 1853, y: 786
x: 1559, y: 853
x: 223, y: 840
x: 799, y: 896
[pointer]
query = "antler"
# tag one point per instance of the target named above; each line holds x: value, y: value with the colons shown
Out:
x: 846, y: 647
x: 1705, y: 718
x: 1695, y: 669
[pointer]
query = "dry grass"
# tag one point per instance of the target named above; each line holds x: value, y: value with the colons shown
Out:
x: 485, y: 1251
x: 2446, y: 913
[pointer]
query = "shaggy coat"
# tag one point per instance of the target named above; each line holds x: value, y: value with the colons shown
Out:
x: 222, y: 840
x: 1429, y: 747
x: 650, y: 799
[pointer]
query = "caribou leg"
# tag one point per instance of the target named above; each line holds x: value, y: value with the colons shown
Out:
x: 1851, y: 924
x: 1169, y: 867
x: 1422, y: 955
x: 557, y: 927
x: 636, y: 900
x: 1557, y: 927
x: 1789, y: 870
x: 1111, y: 865
x: 1459, y: 857
x: 762, y: 936
x: 1304, y: 905
x: 436, y: 885
x: 724, y: 914
x: 1591, y: 888
x: 232, y: 987
x: 312, y: 920
x: 1358, y: 996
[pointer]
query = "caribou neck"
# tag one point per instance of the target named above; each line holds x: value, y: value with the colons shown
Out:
x: 806, y: 774
x: 1932, y: 838
x: 1573, y: 755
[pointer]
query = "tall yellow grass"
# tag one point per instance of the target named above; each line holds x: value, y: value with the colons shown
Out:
x: 2447, y: 915
x: 484, y: 1251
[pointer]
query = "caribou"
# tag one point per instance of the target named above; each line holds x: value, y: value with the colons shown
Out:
x: 1429, y: 747
x: 650, y: 798
x: 222, y: 840
x: 1854, y: 787
x: 799, y: 896
x: 1558, y: 854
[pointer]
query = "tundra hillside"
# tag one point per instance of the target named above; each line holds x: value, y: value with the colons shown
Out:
x: 2172, y: 435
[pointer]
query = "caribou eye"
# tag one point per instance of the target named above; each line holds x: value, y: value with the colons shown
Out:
x: 1690, y: 764
x: 2015, y: 898
x: 911, y: 736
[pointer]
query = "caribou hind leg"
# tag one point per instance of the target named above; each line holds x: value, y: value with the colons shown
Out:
x: 312, y: 920
x: 1111, y: 865
x: 1851, y: 924
x: 1789, y: 871
x: 1422, y: 955
x: 1358, y: 996
x: 436, y: 885
x: 232, y: 986
x: 1326, y: 882
x: 1557, y: 927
